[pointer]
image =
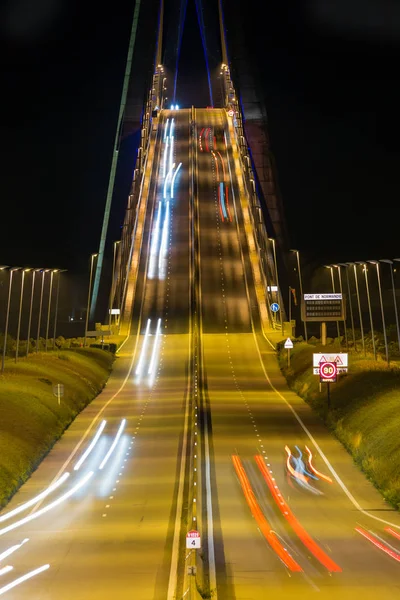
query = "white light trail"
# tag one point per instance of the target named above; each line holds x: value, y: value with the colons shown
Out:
x: 115, y: 442
x: 171, y: 151
x: 166, y: 181
x: 173, y: 180
x: 45, y: 509
x: 29, y: 575
x: 12, y: 549
x: 91, y: 446
x: 32, y: 501
x: 165, y: 158
x: 143, y: 351
x: 164, y: 242
x: 5, y: 570
x: 166, y: 129
x: 155, y: 345
x: 154, y: 244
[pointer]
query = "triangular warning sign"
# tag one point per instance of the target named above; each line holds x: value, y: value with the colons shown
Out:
x: 338, y: 360
x: 323, y: 359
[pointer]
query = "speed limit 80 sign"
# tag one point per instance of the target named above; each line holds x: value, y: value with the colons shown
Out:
x: 328, y: 372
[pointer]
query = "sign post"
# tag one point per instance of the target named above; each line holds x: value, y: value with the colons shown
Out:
x: 193, y: 541
x: 58, y: 391
x: 328, y: 375
x: 289, y: 346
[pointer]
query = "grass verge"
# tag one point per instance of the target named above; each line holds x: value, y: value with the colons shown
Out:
x: 30, y: 419
x: 364, y: 412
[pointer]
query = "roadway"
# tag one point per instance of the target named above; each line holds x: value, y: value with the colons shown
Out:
x: 196, y: 363
x: 249, y: 405
x: 114, y: 535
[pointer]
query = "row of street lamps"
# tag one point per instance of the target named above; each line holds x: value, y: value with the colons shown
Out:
x: 353, y: 266
x: 35, y: 272
x: 364, y: 265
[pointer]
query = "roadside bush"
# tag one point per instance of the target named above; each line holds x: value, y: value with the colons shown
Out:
x: 31, y: 420
x: 364, y: 411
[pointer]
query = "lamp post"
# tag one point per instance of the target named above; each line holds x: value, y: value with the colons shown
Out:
x: 359, y: 305
x: 277, y: 281
x: 49, y: 306
x: 34, y: 271
x: 112, y: 290
x: 341, y: 291
x: 40, y: 309
x: 365, y: 269
x: 350, y: 304
x: 20, y: 312
x: 56, y: 310
x: 301, y: 289
x: 330, y: 267
x: 378, y: 274
x: 390, y: 263
x: 7, y: 316
x: 92, y: 257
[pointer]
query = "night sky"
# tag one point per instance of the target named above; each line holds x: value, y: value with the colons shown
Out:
x: 329, y: 81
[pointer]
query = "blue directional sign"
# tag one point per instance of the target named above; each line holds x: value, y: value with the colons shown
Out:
x: 274, y: 307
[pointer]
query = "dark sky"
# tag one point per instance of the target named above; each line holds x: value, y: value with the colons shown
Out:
x: 330, y: 85
x: 329, y: 73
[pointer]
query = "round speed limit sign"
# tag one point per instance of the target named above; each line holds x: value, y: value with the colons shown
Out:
x: 328, y: 372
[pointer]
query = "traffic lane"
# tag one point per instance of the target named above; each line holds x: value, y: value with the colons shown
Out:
x: 168, y: 262
x: 253, y: 568
x: 330, y: 519
x: 221, y: 266
x: 127, y: 551
x: 106, y: 405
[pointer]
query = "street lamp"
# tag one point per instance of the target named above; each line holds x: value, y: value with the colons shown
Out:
x: 34, y: 271
x: 20, y: 311
x: 40, y: 309
x: 301, y: 289
x: 350, y: 303
x: 365, y: 269
x: 376, y: 263
x: 49, y: 306
x: 359, y: 304
x: 56, y: 311
x: 112, y: 290
x: 334, y: 291
x: 341, y: 291
x: 92, y: 257
x: 390, y: 262
x: 279, y: 295
x: 7, y: 315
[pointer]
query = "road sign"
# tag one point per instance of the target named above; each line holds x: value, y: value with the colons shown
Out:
x: 328, y: 372
x: 193, y: 539
x: 340, y: 370
x: 58, y: 391
x: 288, y: 343
x: 340, y: 358
x: 323, y: 307
x: 230, y: 113
x: 275, y: 307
